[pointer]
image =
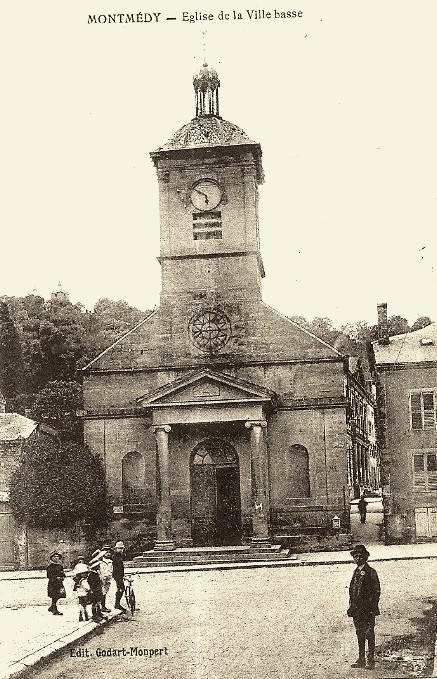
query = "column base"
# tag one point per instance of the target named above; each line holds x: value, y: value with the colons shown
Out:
x: 164, y: 546
x: 257, y: 543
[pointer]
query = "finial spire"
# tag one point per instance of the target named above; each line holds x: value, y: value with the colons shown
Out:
x: 206, y: 84
x: 204, y: 46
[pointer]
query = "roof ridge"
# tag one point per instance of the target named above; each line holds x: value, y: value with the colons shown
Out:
x: 308, y: 332
x: 128, y: 332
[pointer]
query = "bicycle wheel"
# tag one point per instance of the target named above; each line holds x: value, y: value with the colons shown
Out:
x: 131, y: 601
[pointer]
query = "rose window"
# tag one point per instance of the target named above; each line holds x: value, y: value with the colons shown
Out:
x: 210, y: 330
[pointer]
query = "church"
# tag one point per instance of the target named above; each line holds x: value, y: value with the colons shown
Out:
x: 219, y: 421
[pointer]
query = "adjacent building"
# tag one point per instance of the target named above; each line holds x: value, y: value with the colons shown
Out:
x: 15, y: 431
x: 405, y: 367
x: 363, y: 456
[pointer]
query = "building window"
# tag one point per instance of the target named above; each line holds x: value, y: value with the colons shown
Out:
x: 207, y: 225
x: 425, y: 471
x: 422, y: 410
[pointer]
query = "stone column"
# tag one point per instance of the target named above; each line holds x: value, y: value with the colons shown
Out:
x: 258, y: 455
x: 163, y: 516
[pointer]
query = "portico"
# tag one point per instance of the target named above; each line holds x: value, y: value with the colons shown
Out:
x: 214, y: 414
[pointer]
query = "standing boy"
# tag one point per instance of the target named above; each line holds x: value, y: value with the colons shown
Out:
x: 364, y: 591
x: 118, y: 573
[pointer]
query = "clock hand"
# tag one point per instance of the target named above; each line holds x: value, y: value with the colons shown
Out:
x: 202, y: 194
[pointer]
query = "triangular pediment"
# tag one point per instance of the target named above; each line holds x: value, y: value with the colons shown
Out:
x: 206, y: 386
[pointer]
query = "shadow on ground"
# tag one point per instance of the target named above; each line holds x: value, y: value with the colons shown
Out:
x: 412, y: 655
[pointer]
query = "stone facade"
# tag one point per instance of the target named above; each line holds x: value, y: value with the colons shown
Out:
x: 363, y: 454
x: 218, y: 420
x: 405, y: 367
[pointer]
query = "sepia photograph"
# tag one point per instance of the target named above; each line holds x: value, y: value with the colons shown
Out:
x: 218, y: 340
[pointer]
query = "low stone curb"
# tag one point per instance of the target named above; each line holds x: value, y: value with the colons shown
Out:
x: 292, y: 561
x: 28, y: 663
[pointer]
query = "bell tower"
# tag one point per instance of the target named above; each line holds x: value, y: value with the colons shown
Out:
x: 208, y: 174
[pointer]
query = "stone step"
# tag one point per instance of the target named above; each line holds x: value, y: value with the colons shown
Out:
x: 199, y: 559
x: 205, y: 551
x: 182, y: 557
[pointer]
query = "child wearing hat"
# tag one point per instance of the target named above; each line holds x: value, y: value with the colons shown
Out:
x: 82, y: 588
x: 95, y: 594
x: 364, y: 592
x: 55, y: 586
x: 102, y: 563
x: 118, y: 574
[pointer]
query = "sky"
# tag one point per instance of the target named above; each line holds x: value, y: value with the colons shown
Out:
x: 341, y: 100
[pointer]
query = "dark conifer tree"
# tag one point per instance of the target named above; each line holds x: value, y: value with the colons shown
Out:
x: 11, y: 360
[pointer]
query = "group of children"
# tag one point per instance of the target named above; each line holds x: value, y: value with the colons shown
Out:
x: 91, y: 581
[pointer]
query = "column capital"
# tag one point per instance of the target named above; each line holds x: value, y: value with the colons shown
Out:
x: 162, y: 427
x: 255, y: 423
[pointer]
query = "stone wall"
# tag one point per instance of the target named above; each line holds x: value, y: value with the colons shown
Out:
x: 397, y: 455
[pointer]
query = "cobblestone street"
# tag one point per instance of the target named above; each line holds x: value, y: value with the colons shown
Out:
x: 284, y: 622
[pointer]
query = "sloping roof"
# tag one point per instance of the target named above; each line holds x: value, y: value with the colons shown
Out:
x: 14, y: 426
x: 107, y: 352
x: 419, y: 346
x: 270, y: 336
x: 204, y: 131
x: 311, y: 346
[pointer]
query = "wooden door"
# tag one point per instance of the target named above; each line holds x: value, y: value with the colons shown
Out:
x: 6, y: 542
x: 228, y: 518
x: 426, y: 522
x: 203, y: 505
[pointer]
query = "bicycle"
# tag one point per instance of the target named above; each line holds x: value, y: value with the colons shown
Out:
x: 129, y: 593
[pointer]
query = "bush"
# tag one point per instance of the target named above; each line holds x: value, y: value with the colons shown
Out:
x: 57, y: 485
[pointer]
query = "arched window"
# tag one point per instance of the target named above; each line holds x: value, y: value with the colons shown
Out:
x: 132, y: 475
x: 298, y: 472
x: 214, y: 451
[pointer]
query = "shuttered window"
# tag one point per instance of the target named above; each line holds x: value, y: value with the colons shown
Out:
x: 422, y: 410
x: 207, y: 225
x: 425, y: 471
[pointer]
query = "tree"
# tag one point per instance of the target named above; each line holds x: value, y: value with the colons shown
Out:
x: 323, y: 328
x: 58, y: 485
x: 58, y: 337
x: 397, y: 325
x: 62, y: 339
x: 422, y: 322
x: 108, y: 321
x: 300, y: 320
x: 11, y: 360
x: 57, y: 405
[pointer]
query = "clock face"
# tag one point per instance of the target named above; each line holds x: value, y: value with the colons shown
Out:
x: 206, y: 195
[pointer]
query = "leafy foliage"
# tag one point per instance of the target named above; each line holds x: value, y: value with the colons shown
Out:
x: 57, y: 485
x: 57, y: 405
x: 422, y: 322
x: 397, y: 325
x: 58, y: 337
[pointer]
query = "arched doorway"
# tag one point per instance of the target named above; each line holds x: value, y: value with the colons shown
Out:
x: 215, y: 494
